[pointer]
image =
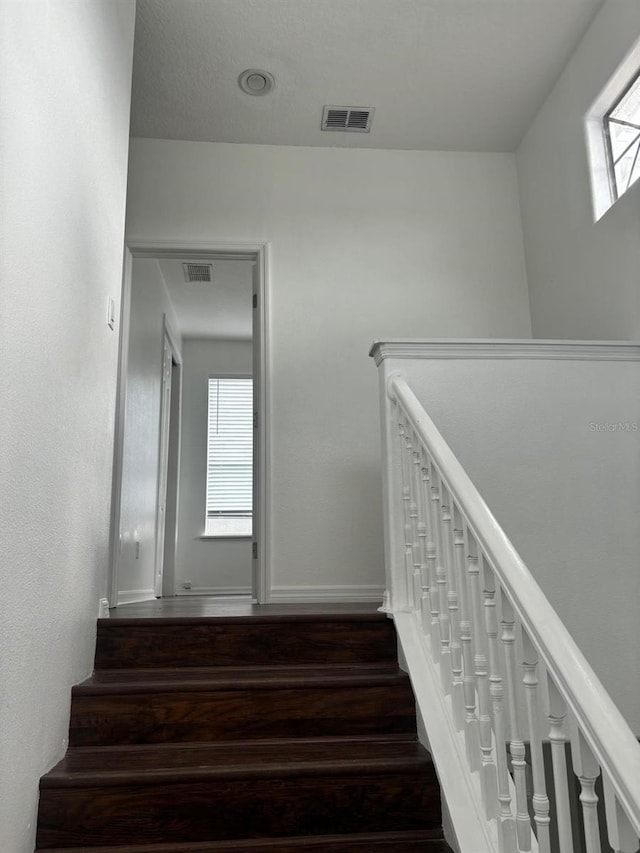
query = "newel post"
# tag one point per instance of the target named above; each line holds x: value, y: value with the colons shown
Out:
x: 396, y: 498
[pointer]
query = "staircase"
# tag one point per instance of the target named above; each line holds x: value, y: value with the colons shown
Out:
x: 271, y: 733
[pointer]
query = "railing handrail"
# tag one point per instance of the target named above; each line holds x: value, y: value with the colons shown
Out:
x: 613, y: 743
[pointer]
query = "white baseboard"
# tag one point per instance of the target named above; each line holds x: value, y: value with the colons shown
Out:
x: 133, y: 596
x: 103, y: 608
x: 226, y: 591
x: 337, y: 592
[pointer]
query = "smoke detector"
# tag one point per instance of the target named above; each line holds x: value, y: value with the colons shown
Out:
x: 197, y: 272
x: 352, y: 119
x: 253, y: 81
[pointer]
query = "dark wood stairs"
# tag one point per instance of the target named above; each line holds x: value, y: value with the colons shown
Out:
x: 219, y: 734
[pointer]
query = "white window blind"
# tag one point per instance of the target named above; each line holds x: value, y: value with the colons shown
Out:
x: 230, y: 458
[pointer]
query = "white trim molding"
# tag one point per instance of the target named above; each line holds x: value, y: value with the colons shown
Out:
x: 434, y: 348
x: 141, y: 247
x: 337, y: 592
x: 135, y: 596
x: 228, y: 250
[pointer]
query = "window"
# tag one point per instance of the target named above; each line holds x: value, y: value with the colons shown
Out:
x: 622, y: 134
x: 612, y: 126
x: 229, y: 458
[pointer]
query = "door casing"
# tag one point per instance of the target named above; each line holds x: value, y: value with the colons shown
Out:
x: 170, y: 356
x: 180, y: 249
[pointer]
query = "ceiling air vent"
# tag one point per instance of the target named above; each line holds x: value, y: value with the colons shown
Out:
x: 353, y: 119
x: 197, y: 272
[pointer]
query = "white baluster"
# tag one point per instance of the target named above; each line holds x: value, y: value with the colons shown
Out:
x: 472, y: 743
x: 622, y: 836
x: 588, y: 773
x: 419, y: 574
x: 457, y: 699
x: 432, y: 560
x: 481, y: 669
x: 557, y: 714
x: 441, y: 581
x: 406, y: 501
x: 540, y: 798
x: 426, y: 543
x: 413, y: 518
x: 418, y: 524
x: 506, y: 823
x: 516, y: 747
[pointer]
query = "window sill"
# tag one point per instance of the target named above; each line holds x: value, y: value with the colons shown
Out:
x: 214, y: 536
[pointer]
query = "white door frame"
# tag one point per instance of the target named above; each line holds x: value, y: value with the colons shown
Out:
x: 228, y: 250
x: 175, y: 431
x: 170, y: 356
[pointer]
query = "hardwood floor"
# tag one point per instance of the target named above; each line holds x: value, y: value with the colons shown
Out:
x: 209, y: 605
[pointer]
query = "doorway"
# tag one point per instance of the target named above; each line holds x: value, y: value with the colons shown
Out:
x: 130, y: 545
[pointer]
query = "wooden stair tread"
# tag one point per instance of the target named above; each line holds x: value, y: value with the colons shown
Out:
x: 253, y: 759
x: 254, y: 619
x: 227, y: 678
x: 412, y: 841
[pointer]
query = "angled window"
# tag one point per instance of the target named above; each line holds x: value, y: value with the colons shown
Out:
x: 229, y: 503
x: 622, y: 135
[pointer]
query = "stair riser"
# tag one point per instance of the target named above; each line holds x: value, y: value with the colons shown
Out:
x: 244, y: 644
x: 208, y: 811
x: 240, y: 714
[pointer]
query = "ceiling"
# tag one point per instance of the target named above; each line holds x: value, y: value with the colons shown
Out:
x: 220, y: 309
x: 464, y: 75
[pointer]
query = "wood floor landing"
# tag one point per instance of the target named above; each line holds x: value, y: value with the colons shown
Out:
x: 208, y: 605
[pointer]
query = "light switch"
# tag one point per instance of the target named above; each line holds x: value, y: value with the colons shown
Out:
x: 111, y: 312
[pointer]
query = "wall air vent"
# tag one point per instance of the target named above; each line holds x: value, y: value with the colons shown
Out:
x: 352, y: 119
x: 197, y: 272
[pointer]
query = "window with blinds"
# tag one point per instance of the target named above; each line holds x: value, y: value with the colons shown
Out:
x: 230, y: 458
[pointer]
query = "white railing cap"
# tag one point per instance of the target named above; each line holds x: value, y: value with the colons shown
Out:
x: 524, y: 348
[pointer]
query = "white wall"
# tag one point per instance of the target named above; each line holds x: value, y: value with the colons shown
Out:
x: 565, y: 490
x: 364, y: 244
x: 212, y: 566
x: 583, y: 276
x: 149, y: 302
x: 65, y: 72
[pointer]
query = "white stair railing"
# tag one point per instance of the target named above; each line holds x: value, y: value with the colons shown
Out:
x: 501, y: 687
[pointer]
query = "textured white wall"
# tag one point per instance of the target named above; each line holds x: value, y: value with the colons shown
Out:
x: 65, y: 70
x: 566, y: 490
x: 208, y: 564
x: 364, y: 244
x: 583, y: 276
x: 149, y: 301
